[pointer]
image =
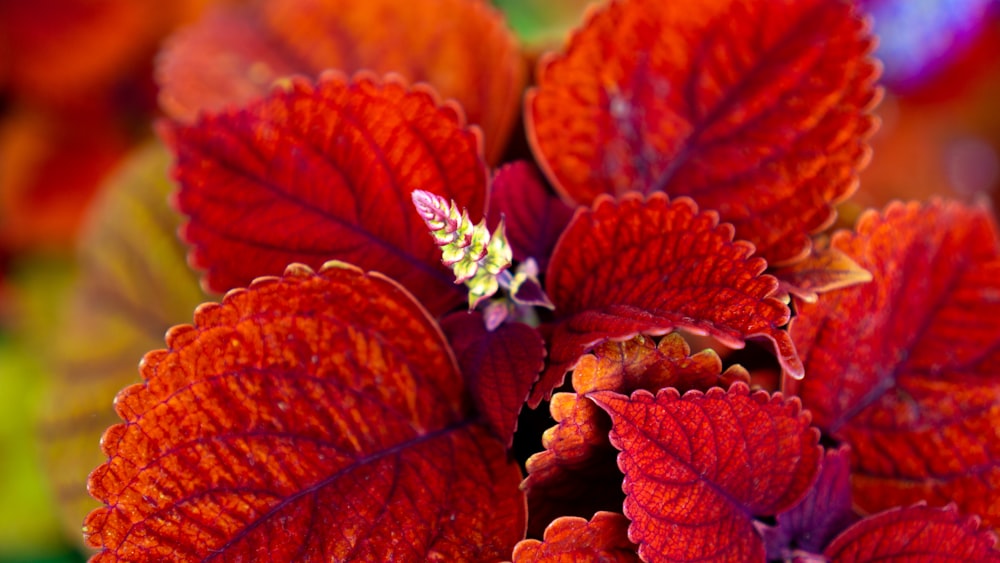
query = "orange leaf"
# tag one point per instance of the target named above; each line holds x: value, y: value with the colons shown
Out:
x: 570, y: 539
x: 904, y: 368
x: 916, y: 533
x: 758, y: 110
x: 650, y: 266
x: 577, y: 452
x: 460, y: 47
x: 314, y: 416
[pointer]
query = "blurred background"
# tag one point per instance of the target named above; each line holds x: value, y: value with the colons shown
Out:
x: 91, y: 274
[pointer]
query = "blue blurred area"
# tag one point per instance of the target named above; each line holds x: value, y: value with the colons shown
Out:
x: 917, y: 38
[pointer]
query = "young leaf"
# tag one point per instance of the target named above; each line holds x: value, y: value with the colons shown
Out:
x: 820, y: 516
x: 314, y: 416
x: 758, y: 110
x: 698, y: 468
x: 642, y: 363
x: 825, y: 269
x: 577, y: 451
x: 499, y: 366
x: 649, y: 266
x: 569, y: 539
x: 917, y: 533
x: 462, y: 48
x: 904, y: 368
x: 534, y: 217
x: 325, y: 172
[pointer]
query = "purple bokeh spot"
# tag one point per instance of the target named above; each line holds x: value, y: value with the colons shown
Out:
x: 919, y: 38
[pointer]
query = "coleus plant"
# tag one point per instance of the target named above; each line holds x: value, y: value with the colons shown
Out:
x: 343, y: 403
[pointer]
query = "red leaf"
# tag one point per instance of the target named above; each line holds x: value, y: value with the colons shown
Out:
x: 499, y: 366
x: 462, y: 48
x: 534, y: 218
x: 53, y: 164
x: 904, y: 368
x: 699, y: 467
x: 577, y: 451
x: 758, y: 110
x: 319, y: 173
x: 649, y: 266
x: 316, y: 416
x: 570, y: 539
x: 226, y: 59
x: 820, y: 516
x: 54, y: 51
x: 917, y: 533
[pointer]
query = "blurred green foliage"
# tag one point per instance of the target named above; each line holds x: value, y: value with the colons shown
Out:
x: 29, y: 527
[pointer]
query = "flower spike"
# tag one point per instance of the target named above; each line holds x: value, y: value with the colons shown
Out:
x: 476, y: 257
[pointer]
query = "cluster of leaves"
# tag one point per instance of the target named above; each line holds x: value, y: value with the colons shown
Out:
x: 347, y: 407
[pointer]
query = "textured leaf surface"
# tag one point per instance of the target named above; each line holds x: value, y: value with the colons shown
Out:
x: 460, y: 47
x: 571, y: 539
x: 699, y: 467
x: 311, y: 417
x: 534, y: 218
x: 917, y: 533
x: 755, y: 109
x: 131, y: 287
x: 652, y: 265
x: 643, y: 363
x: 905, y: 368
x: 577, y: 451
x: 319, y: 173
x: 499, y: 366
x: 820, y: 516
